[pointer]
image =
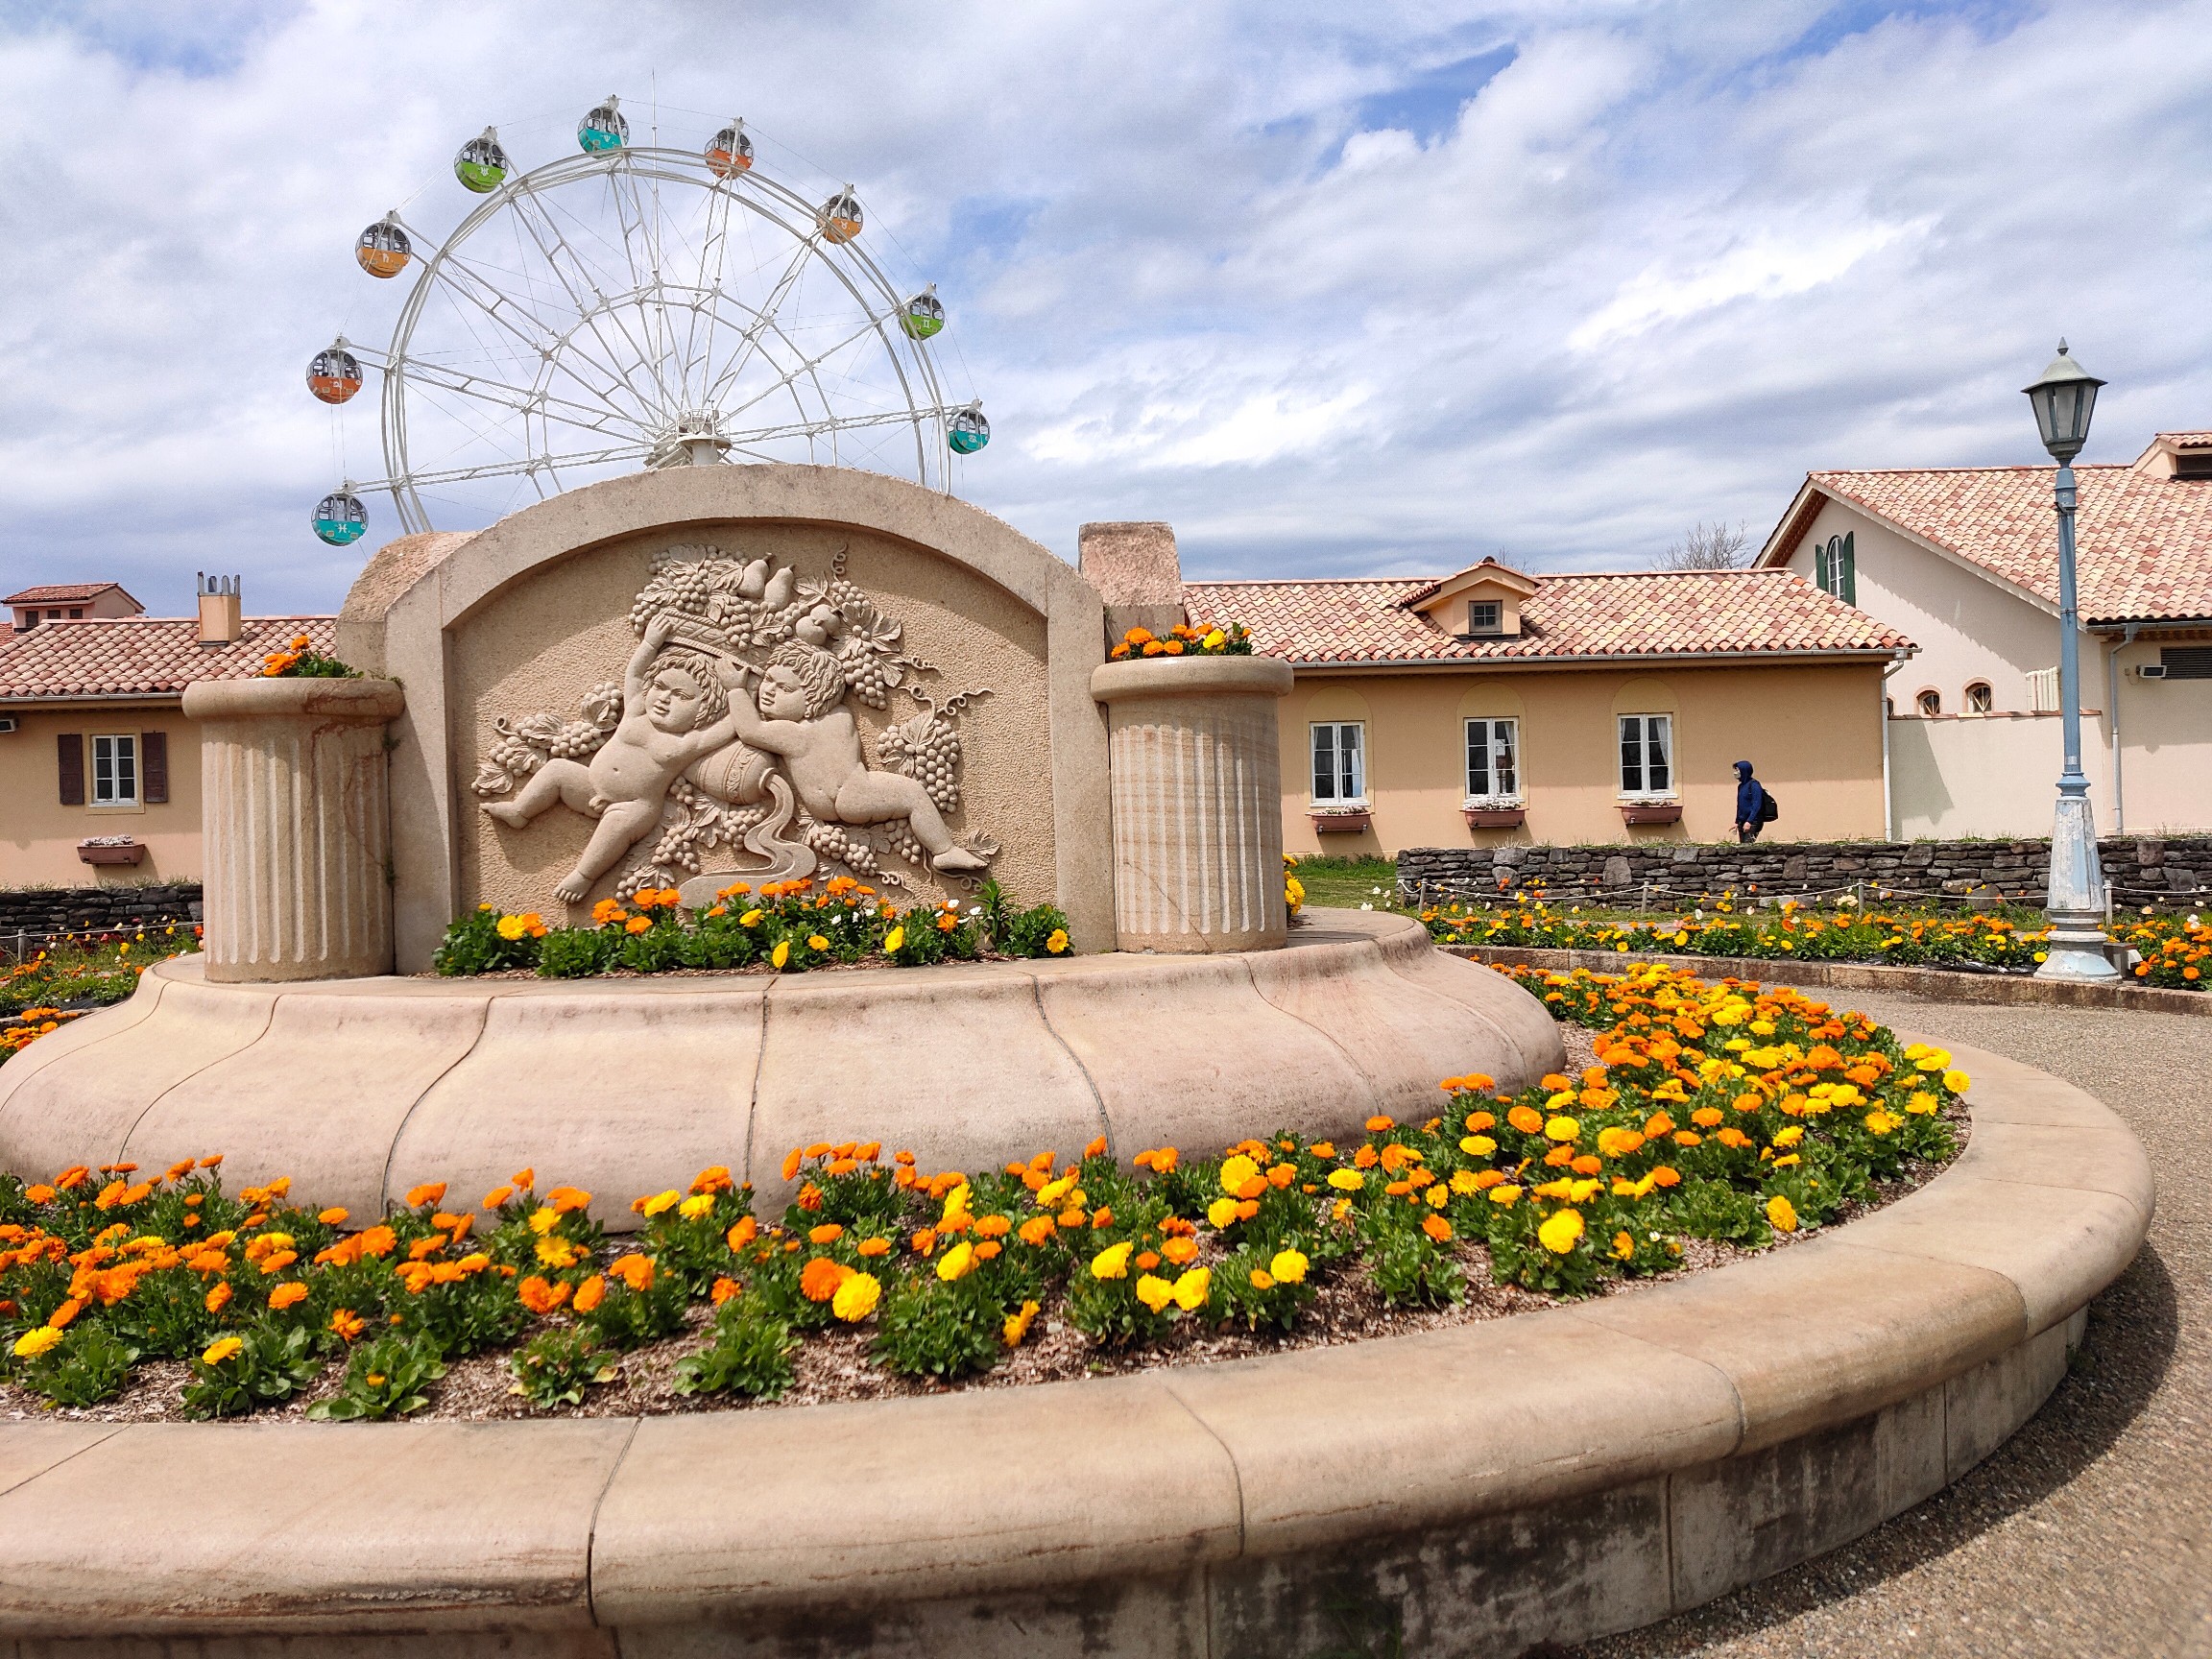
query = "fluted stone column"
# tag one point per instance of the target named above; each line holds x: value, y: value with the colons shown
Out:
x: 296, y: 827
x: 1197, y: 771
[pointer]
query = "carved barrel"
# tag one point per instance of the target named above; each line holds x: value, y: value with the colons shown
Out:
x: 1197, y: 771
x: 296, y: 827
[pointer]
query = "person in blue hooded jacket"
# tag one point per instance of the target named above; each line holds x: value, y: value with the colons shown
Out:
x: 1754, y: 804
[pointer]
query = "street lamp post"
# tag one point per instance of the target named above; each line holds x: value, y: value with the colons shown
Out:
x: 2063, y: 399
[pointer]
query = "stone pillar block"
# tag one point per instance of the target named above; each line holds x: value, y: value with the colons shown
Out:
x: 1195, y: 765
x: 296, y: 827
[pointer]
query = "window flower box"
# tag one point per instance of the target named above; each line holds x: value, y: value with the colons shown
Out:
x: 1493, y: 814
x: 110, y: 850
x: 1340, y: 820
x: 1652, y: 811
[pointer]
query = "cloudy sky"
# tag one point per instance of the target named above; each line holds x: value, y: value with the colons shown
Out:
x: 1336, y: 290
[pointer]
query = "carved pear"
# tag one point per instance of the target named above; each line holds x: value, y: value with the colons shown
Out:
x: 781, y: 587
x: 753, y: 582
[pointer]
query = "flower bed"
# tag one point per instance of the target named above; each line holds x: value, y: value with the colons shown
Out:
x: 1714, y: 1114
x: 67, y: 980
x: 1183, y: 640
x: 785, y: 927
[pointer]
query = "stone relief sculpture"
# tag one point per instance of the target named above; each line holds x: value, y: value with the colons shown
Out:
x: 731, y: 731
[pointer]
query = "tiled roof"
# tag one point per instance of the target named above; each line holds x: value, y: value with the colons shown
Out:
x: 60, y: 594
x: 2187, y: 440
x: 1631, y: 616
x: 142, y: 655
x: 2143, y: 544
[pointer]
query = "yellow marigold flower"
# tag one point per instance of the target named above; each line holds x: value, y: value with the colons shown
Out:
x: 1192, y: 1288
x: 1624, y: 1246
x: 220, y: 1350
x: 697, y: 1205
x: 1288, y: 1268
x: 1464, y: 1183
x: 1237, y: 1171
x: 1507, y: 1194
x: 1922, y: 1104
x: 956, y: 1262
x: 1221, y: 1213
x: 1017, y: 1325
x: 660, y: 1201
x: 1781, y: 1214
x: 1879, y: 1121
x: 1056, y: 942
x: 893, y: 939
x: 751, y: 919
x: 781, y: 955
x: 1347, y: 1180
x: 1958, y: 1082
x: 1154, y: 1291
x: 513, y: 928
x: 1260, y: 1279
x: 815, y: 942
x: 1561, y: 1129
x: 857, y: 1298
x: 1560, y: 1231
x: 1113, y: 1262
x: 1789, y: 1136
x: 37, y: 1341
x: 1477, y: 1145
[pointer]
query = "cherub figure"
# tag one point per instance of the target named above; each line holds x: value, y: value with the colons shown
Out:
x: 671, y: 716
x: 801, y: 717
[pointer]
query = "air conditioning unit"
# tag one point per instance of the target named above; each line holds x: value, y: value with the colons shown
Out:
x: 2150, y: 671
x: 6, y: 722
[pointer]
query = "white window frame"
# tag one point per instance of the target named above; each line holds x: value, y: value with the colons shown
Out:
x: 1647, y: 728
x: 114, y: 759
x: 1483, y: 734
x: 1345, y: 765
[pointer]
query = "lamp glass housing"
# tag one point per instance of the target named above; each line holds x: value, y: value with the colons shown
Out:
x: 2063, y: 399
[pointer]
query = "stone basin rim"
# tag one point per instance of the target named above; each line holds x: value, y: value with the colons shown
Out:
x: 1189, y: 1476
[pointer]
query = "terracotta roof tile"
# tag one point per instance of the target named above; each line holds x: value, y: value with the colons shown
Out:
x: 2143, y: 544
x: 142, y: 655
x: 1631, y: 616
x: 2187, y: 440
x: 60, y: 593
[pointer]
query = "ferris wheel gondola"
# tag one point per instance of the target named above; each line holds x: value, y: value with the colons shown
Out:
x: 636, y: 305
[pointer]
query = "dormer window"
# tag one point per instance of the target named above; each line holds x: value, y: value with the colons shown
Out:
x: 1485, y: 616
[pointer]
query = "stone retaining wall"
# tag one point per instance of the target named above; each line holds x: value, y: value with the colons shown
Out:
x: 2169, y: 873
x: 37, y: 910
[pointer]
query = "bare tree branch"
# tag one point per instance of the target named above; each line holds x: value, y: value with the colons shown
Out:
x: 1708, y: 547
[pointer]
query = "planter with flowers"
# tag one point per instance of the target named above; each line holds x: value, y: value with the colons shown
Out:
x: 1197, y: 784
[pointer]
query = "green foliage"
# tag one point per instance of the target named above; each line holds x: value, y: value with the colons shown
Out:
x: 272, y: 1363
x: 556, y: 1366
x: 627, y: 1317
x: 749, y: 1353
x: 91, y: 968
x: 90, y: 1365
x: 385, y: 1378
x: 579, y: 953
x: 928, y: 1328
x: 474, y: 944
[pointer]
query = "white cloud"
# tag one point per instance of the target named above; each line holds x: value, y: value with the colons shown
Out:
x: 1668, y: 258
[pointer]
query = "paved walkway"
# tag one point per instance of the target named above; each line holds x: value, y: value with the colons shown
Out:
x: 2090, y: 1532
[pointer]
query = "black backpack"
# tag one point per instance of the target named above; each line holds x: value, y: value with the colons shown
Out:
x: 1769, y: 808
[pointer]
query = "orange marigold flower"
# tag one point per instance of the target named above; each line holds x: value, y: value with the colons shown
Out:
x: 1437, y: 1228
x: 348, y: 1323
x: 1525, y: 1118
x: 564, y: 1199
x: 635, y: 1271
x: 1037, y: 1229
x: 1182, y: 1252
x: 1096, y: 1148
x: 541, y: 1295
x: 375, y: 1241
x: 60, y: 1318
x: 497, y: 1196
x: 1377, y: 1124
x: 288, y: 1294
x: 429, y: 1192
x: 725, y: 1287
x: 590, y: 1293
x: 874, y: 1247
x: 334, y: 1217
x: 217, y: 1299
x: 828, y: 1232
x: 819, y: 1279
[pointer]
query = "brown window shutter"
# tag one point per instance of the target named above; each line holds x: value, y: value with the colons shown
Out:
x: 70, y: 755
x: 153, y: 767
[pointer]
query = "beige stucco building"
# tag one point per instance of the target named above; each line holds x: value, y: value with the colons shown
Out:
x: 1964, y: 560
x: 1493, y: 706
x: 99, y: 767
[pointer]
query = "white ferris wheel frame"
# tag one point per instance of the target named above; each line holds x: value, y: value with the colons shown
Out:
x: 602, y: 341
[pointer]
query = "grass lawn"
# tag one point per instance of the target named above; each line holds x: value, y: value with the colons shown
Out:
x: 1347, y: 883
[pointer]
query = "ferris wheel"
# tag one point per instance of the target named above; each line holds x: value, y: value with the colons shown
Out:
x: 636, y: 305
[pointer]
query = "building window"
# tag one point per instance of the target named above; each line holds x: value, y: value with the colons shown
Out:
x: 1339, y: 760
x: 1930, y: 701
x: 116, y: 771
x: 1493, y: 759
x: 1980, y: 699
x: 2186, y: 662
x: 76, y: 613
x: 1485, y: 616
x: 1836, y: 567
x: 1646, y: 754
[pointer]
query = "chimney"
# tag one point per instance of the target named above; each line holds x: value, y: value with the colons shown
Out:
x: 221, y: 621
x: 1137, y: 571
